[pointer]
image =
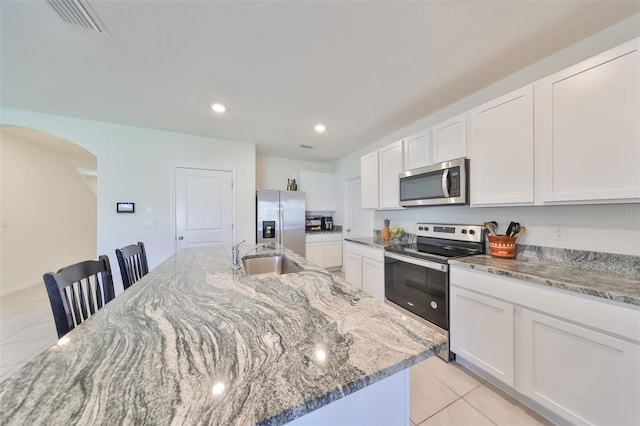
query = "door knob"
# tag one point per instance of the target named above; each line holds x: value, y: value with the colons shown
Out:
x: 180, y: 237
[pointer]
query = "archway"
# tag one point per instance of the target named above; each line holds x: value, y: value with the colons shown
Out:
x: 48, y: 206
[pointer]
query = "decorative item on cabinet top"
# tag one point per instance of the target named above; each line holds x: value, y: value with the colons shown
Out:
x: 503, y: 246
x: 292, y: 185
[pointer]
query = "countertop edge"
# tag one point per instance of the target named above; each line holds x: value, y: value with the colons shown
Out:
x: 349, y: 388
x: 473, y: 262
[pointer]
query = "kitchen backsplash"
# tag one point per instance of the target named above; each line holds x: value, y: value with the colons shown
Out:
x: 407, y: 238
x: 601, y: 228
x: 591, y: 260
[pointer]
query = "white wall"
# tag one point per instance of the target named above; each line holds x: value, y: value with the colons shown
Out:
x: 48, y: 214
x: 273, y: 172
x: 135, y: 164
x: 606, y: 228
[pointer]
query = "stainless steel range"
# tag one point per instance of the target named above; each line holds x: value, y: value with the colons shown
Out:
x: 417, y: 275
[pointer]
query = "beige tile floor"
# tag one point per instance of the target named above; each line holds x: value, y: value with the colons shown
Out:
x: 448, y: 394
x: 26, y: 328
x: 441, y: 393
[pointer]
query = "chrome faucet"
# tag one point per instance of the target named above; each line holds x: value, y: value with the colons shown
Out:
x: 235, y: 255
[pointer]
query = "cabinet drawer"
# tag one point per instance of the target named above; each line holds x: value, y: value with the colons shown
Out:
x: 324, y: 237
x: 364, y: 250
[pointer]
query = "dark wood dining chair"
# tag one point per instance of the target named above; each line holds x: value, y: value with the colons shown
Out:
x: 78, y: 291
x: 132, y: 260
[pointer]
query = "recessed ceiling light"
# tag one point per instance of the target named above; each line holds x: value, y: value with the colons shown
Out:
x: 218, y: 108
x: 320, y: 128
x: 304, y: 145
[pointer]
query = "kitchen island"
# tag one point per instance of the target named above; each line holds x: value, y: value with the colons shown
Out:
x: 196, y: 342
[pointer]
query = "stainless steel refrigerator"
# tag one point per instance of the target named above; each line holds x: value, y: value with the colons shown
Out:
x: 280, y: 219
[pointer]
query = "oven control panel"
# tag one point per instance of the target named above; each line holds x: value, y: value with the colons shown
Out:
x: 451, y: 231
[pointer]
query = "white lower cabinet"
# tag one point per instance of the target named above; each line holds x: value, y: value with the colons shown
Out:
x: 482, y: 332
x: 353, y: 268
x: 586, y: 376
x: 573, y: 355
x: 315, y: 253
x: 373, y: 278
x: 333, y: 254
x: 364, y: 268
x: 325, y: 250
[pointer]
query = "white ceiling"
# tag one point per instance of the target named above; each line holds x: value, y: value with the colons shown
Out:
x: 365, y: 69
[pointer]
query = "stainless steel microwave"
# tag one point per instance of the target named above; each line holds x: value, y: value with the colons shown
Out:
x: 440, y: 184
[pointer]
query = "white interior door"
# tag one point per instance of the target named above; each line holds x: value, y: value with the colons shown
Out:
x: 204, y: 207
x: 358, y: 221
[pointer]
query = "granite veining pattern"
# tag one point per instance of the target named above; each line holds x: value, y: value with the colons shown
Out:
x: 591, y: 260
x: 569, y: 274
x: 195, y: 342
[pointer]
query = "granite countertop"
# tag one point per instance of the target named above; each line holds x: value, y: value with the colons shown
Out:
x: 373, y: 241
x: 611, y: 285
x: 196, y: 342
x: 325, y: 231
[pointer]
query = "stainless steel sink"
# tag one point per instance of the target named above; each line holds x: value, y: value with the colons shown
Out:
x: 276, y: 264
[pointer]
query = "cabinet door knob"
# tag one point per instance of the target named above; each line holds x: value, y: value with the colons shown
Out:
x: 180, y: 237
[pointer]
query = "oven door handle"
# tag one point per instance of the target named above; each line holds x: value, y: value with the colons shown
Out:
x: 418, y: 262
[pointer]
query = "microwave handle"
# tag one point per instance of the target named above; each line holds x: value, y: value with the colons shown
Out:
x: 445, y: 185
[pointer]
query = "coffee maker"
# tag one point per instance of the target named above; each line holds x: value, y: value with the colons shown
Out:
x: 326, y: 223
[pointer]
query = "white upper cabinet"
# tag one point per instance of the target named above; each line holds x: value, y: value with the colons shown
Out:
x: 417, y: 150
x: 442, y: 142
x: 588, y: 130
x: 501, y: 150
x: 379, y: 172
x: 449, y: 139
x: 320, y: 190
x: 369, y: 178
x: 391, y: 165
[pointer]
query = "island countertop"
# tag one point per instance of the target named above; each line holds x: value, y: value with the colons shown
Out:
x: 196, y: 342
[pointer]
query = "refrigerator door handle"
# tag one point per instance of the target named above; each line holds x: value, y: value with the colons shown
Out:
x: 281, y: 224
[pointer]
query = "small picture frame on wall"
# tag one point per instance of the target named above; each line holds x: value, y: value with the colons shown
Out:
x: 122, y: 207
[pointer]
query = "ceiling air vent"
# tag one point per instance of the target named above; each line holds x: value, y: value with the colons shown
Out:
x: 77, y: 12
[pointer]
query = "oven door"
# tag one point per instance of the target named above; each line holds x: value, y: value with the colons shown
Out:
x: 419, y: 286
